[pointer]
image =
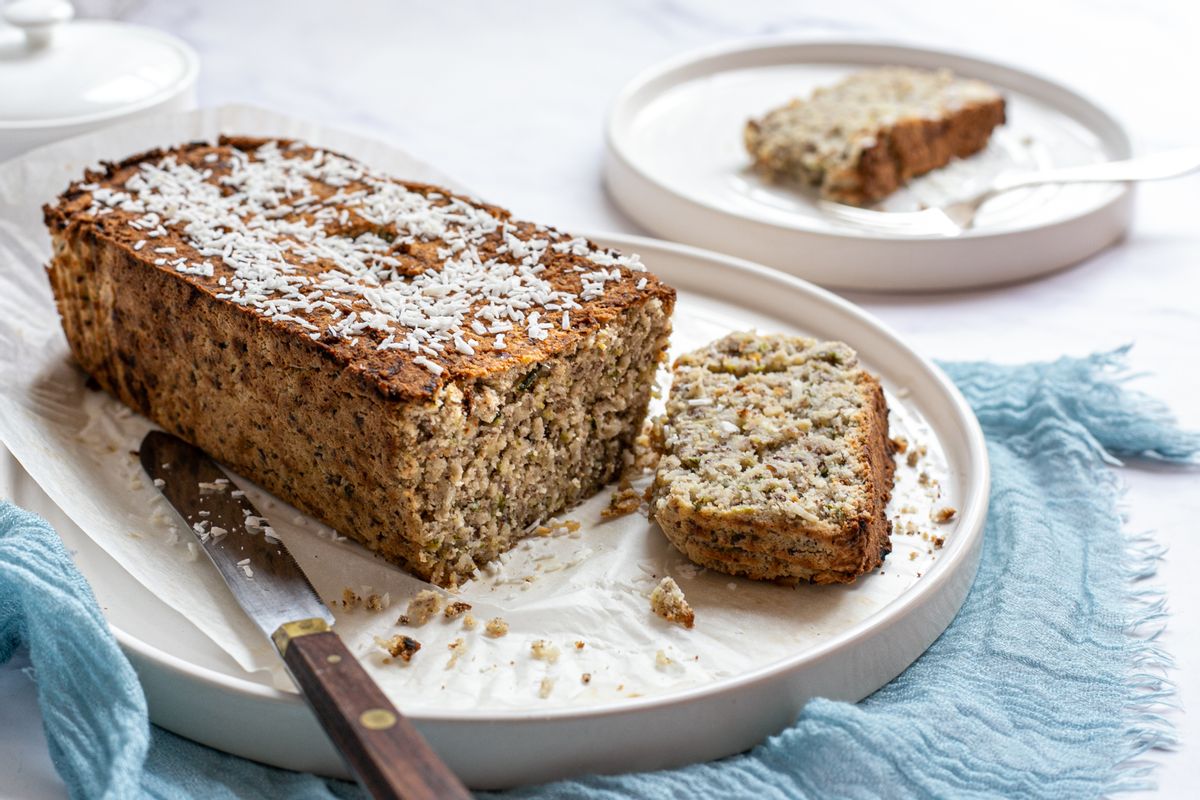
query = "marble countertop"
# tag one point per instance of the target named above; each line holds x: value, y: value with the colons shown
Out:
x: 510, y: 99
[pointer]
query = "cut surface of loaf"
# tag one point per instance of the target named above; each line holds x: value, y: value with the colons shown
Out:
x: 415, y: 368
x: 861, y: 139
x: 776, y: 462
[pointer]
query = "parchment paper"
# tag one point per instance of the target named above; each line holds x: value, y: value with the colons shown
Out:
x: 585, y: 591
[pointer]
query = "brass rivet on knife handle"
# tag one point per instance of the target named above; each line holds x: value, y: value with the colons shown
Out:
x: 377, y: 719
x: 290, y: 630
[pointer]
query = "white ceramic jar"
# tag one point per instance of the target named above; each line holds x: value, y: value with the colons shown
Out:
x: 60, y: 78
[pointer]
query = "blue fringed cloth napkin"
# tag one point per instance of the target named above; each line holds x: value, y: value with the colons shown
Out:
x: 1046, y: 684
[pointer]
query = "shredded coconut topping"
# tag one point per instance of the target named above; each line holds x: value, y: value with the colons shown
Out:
x: 265, y: 214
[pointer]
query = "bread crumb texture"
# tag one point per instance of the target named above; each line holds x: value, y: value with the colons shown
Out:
x: 776, y: 460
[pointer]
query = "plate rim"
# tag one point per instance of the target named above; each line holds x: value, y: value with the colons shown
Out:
x: 971, y: 527
x: 696, y: 57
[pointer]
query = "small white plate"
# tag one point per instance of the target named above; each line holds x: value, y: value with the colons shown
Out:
x: 847, y: 641
x: 676, y: 163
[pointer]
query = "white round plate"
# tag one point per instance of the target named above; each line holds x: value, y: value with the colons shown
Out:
x: 195, y: 689
x: 676, y: 163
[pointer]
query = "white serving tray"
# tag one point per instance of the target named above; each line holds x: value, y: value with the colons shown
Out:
x: 845, y: 642
x: 677, y: 165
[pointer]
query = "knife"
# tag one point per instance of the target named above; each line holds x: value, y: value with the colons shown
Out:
x: 382, y: 748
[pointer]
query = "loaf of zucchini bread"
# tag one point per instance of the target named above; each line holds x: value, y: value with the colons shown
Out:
x: 861, y: 139
x: 776, y: 462
x: 415, y: 368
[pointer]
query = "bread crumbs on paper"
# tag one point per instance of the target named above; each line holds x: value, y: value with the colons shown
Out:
x: 456, y: 609
x: 421, y: 608
x: 496, y: 627
x: 586, y: 678
x: 545, y: 688
x: 625, y: 500
x: 377, y: 602
x: 544, y: 651
x: 662, y: 660
x: 457, y: 648
x: 468, y: 623
x: 350, y: 599
x: 668, y: 602
x: 400, y: 646
x: 555, y: 526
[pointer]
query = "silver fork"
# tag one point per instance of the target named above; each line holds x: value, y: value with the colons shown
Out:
x: 955, y: 218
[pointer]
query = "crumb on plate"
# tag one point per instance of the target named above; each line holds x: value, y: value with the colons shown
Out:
x: 945, y: 514
x: 668, y: 602
x: 457, y: 648
x: 400, y: 646
x: 625, y: 500
x: 377, y: 602
x: 544, y: 651
x: 456, y: 609
x: 422, y: 607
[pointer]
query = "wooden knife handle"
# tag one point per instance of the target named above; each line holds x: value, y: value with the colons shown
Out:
x: 382, y: 748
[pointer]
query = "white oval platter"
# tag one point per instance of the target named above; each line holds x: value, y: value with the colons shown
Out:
x: 195, y: 689
x: 676, y: 164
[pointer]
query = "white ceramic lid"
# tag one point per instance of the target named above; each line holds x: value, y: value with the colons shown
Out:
x: 55, y: 71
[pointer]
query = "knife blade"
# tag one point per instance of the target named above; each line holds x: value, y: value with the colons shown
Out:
x: 384, y: 750
x: 263, y: 576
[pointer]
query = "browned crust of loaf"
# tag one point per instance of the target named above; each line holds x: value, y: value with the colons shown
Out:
x: 391, y: 373
x: 914, y: 147
x: 785, y: 554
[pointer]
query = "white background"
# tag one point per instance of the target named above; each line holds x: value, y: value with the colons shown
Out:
x: 510, y: 99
